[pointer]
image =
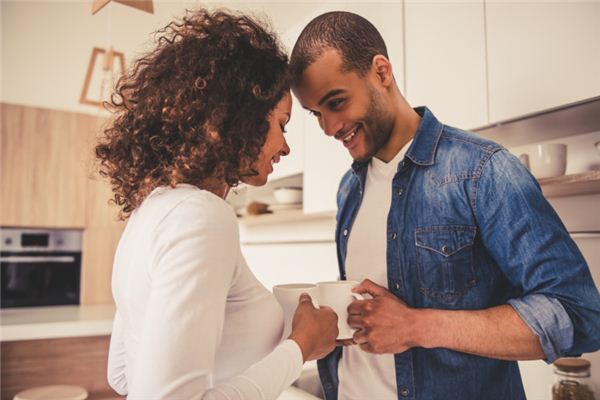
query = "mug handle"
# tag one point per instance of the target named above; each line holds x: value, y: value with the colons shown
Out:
x: 358, y: 296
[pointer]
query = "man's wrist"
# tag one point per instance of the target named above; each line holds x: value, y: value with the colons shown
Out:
x: 427, y: 326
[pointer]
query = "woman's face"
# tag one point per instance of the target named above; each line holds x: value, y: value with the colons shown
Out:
x: 275, y: 146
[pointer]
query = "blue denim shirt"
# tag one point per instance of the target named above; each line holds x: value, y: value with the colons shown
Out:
x: 469, y: 229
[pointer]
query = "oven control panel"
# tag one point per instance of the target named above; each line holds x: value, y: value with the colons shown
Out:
x: 17, y: 240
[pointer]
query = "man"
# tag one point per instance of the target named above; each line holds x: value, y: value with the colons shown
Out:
x: 468, y: 266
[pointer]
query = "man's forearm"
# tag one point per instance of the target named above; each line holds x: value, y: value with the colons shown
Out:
x: 497, y: 332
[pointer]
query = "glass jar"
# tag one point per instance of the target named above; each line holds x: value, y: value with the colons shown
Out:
x: 572, y: 380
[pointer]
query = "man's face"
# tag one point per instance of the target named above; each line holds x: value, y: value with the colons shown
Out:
x: 349, y: 107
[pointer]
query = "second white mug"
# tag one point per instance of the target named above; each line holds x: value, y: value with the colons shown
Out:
x: 338, y: 295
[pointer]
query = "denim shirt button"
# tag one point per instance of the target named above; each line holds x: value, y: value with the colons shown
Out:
x: 404, y: 392
x: 400, y: 191
x: 394, y: 236
x: 445, y: 249
x: 345, y: 232
x: 397, y: 286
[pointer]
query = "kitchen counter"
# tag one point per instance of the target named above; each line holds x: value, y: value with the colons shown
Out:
x: 55, y: 322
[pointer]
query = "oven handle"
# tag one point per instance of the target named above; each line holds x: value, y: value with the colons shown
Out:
x: 33, y: 259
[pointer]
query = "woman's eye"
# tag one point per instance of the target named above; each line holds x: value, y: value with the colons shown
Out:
x: 283, y: 128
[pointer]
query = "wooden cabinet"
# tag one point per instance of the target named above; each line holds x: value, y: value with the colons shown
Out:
x: 43, y: 159
x: 79, y: 361
x: 49, y: 180
x: 445, y: 60
x: 102, y: 233
x: 541, y: 55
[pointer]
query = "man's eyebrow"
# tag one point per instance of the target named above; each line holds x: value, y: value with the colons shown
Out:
x: 329, y: 95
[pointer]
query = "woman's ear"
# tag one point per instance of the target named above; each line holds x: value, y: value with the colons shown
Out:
x: 383, y: 69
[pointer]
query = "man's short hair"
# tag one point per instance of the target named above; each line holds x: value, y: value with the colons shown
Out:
x: 356, y: 39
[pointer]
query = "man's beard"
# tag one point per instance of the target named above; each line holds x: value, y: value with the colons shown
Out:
x: 377, y: 126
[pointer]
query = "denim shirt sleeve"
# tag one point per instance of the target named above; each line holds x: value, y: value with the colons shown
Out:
x: 522, y: 232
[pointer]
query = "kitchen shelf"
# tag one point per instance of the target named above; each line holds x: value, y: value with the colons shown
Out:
x: 283, y: 216
x: 559, y: 122
x: 571, y: 185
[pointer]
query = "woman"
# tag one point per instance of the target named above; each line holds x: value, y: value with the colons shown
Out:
x: 202, y: 112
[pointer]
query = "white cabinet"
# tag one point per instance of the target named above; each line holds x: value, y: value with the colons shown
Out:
x: 325, y: 162
x: 293, y: 163
x: 445, y: 60
x: 325, y: 159
x: 541, y: 54
x: 280, y: 263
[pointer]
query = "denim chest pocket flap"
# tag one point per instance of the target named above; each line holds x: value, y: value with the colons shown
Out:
x: 445, y: 240
x: 444, y: 257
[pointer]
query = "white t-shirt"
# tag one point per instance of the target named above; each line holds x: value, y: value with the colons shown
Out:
x: 365, y: 375
x: 192, y: 321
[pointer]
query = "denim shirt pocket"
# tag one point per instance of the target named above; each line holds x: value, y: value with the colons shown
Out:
x: 445, y: 261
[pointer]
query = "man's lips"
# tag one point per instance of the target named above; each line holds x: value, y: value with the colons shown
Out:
x: 347, y: 137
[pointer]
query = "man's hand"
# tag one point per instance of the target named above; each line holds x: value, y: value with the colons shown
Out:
x: 385, y: 323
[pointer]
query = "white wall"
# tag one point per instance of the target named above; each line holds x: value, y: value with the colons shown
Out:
x: 46, y: 45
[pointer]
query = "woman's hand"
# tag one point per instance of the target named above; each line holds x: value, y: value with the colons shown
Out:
x: 314, y: 329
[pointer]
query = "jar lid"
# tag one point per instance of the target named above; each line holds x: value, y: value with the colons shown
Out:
x: 572, y: 364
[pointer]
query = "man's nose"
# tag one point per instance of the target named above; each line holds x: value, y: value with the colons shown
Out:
x: 329, y: 125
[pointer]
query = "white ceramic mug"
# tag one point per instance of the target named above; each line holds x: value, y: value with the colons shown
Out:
x: 548, y: 160
x: 338, y: 295
x: 288, y: 295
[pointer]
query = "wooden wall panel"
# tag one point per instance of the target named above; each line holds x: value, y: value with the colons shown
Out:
x: 70, y: 361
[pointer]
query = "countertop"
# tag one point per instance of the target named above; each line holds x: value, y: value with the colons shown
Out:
x: 55, y: 322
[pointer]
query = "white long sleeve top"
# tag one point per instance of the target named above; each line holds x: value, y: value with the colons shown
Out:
x: 192, y: 321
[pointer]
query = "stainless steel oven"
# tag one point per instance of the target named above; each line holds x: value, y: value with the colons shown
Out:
x: 40, y: 267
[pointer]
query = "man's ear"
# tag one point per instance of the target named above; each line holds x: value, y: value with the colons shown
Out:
x: 383, y: 69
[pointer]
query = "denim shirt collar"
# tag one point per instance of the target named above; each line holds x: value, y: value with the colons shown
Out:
x: 423, y: 148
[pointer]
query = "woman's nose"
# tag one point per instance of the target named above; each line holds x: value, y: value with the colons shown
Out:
x: 286, y: 149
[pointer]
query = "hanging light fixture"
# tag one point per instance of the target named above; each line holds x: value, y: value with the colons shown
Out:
x: 106, y: 65
x: 104, y: 68
x: 144, y: 5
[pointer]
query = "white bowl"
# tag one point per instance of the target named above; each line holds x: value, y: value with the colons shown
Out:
x: 288, y: 194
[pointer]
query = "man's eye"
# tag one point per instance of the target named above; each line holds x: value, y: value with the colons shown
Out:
x: 333, y: 104
x: 315, y: 113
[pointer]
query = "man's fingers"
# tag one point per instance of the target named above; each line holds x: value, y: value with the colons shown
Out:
x: 360, y: 336
x: 368, y: 286
x: 355, y: 321
x: 366, y: 347
x: 355, y: 308
x: 345, y: 342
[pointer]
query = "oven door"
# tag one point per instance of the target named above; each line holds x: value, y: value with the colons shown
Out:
x: 35, y: 279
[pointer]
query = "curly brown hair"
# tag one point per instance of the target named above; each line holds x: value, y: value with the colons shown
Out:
x: 193, y: 110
